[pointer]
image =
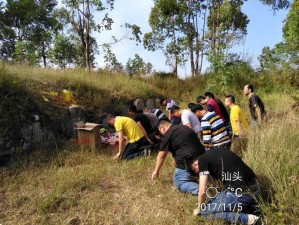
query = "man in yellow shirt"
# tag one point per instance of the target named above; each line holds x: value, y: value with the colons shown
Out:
x: 239, y: 125
x: 127, y: 127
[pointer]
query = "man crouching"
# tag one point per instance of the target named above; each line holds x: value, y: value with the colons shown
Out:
x: 127, y: 127
x: 184, y: 145
x: 239, y: 186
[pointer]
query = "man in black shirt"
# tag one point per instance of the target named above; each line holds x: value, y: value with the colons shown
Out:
x: 142, y: 121
x: 239, y: 185
x: 184, y: 145
x: 256, y: 105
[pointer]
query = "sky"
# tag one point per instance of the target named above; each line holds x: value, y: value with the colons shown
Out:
x: 264, y: 29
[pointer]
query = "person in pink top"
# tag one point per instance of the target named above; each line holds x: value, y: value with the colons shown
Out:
x: 211, y: 105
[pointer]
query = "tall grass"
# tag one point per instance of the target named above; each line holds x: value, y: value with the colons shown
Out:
x: 273, y: 154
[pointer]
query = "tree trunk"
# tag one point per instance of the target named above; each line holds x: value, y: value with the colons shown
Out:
x: 175, y: 69
x: 190, y: 39
x: 197, y: 43
x: 203, y: 37
x: 44, y: 55
x: 214, y: 29
x: 87, y: 37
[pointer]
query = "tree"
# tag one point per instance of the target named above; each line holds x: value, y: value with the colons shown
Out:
x: 63, y: 52
x: 7, y: 34
x: 165, y: 35
x: 192, y: 12
x: 227, y: 26
x: 110, y: 60
x: 40, y: 33
x: 291, y: 27
x: 268, y: 59
x: 137, y: 66
x: 83, y: 24
x: 25, y: 52
x: 178, y: 32
x: 27, y: 24
x: 277, y: 4
x: 284, y: 54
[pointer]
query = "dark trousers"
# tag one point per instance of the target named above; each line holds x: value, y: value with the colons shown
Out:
x: 226, y: 145
x: 175, y: 120
x: 133, y: 150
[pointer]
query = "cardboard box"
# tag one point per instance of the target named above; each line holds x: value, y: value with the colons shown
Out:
x: 88, y: 134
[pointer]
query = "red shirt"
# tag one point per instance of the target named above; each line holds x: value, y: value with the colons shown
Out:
x: 213, y: 106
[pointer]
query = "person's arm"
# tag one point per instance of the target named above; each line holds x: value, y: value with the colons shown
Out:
x: 259, y: 114
x: 160, y: 160
x: 203, y: 180
x: 169, y: 115
x: 121, y: 144
x: 210, y: 108
x: 189, y: 125
x: 186, y: 120
x: 144, y: 132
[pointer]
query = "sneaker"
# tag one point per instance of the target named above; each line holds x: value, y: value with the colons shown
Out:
x: 258, y: 220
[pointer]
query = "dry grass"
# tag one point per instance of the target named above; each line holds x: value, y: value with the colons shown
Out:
x: 94, y: 188
x: 83, y: 186
x: 273, y: 154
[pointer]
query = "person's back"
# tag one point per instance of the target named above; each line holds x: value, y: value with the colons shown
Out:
x: 239, y: 188
x: 154, y: 120
x: 236, y: 114
x: 189, y: 118
x: 183, y: 143
x: 214, y: 131
x: 159, y: 113
x: 222, y: 110
x: 227, y: 167
x: 129, y: 127
x: 170, y: 103
x: 255, y: 101
x: 140, y: 117
x: 213, y: 106
x: 256, y: 106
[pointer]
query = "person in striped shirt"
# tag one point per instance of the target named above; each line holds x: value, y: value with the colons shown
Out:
x: 158, y: 113
x: 213, y: 129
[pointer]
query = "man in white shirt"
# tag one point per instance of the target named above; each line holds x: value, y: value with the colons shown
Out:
x: 188, y: 118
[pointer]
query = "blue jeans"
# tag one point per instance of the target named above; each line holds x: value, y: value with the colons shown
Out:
x: 185, y: 182
x: 228, y: 206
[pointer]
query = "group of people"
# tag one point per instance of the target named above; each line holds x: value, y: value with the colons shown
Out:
x: 199, y: 139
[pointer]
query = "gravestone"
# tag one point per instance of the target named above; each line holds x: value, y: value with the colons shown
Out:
x: 34, y: 132
x: 73, y: 115
x: 37, y: 132
x: 150, y: 103
x: 103, y: 120
x: 139, y: 104
x: 157, y: 102
x: 5, y: 147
